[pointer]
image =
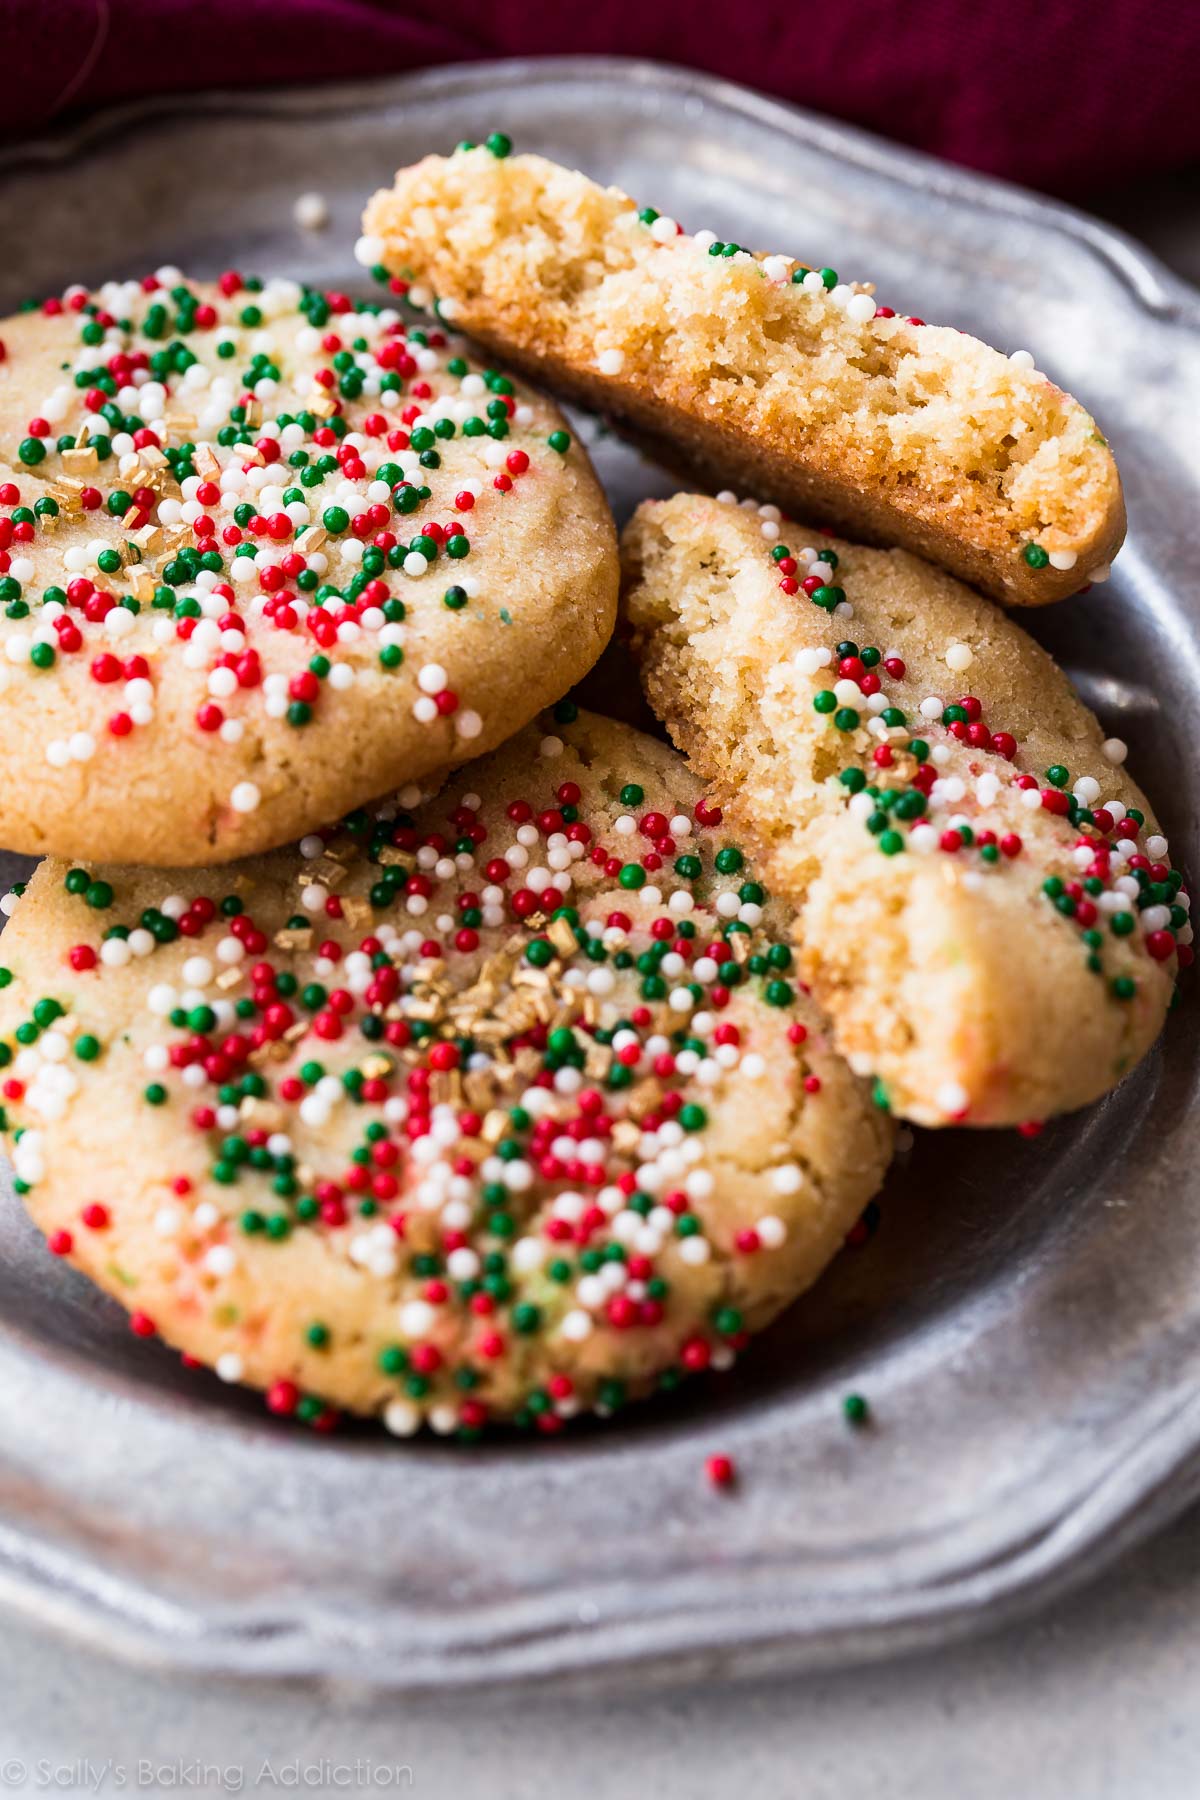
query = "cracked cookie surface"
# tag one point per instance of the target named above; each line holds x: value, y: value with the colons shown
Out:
x: 508, y: 1106
x: 265, y: 553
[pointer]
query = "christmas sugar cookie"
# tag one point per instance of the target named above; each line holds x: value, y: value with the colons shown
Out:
x: 986, y: 904
x: 505, y: 1107
x: 265, y: 554
x: 761, y: 371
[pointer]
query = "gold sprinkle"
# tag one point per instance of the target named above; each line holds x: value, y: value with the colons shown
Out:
x: 294, y: 937
x: 326, y: 869
x: 495, y: 1126
x: 80, y: 462
x: 425, y: 1011
x: 445, y: 1088
x: 562, y: 936
x: 645, y: 1099
x: 478, y: 1087
x: 228, y: 978
x: 516, y: 1016
x: 263, y: 1112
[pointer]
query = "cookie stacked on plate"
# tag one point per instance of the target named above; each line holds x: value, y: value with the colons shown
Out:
x: 531, y: 1087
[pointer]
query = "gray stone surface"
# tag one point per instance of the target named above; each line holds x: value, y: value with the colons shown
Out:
x: 1098, y: 1699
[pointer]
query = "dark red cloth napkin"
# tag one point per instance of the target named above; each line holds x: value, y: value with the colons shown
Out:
x: 1068, y: 95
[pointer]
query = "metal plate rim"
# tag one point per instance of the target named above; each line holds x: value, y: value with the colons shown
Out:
x: 1143, y: 1489
x: 1149, y: 280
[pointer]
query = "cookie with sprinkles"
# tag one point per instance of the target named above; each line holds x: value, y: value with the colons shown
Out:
x: 266, y: 553
x: 986, y: 905
x: 785, y: 380
x: 508, y: 1106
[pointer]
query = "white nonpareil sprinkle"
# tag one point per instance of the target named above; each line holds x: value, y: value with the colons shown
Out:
x: 311, y: 211
x: 402, y: 1418
x: 417, y: 1319
x: 245, y: 797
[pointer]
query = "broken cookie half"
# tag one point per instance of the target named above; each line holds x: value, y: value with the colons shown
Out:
x: 760, y: 372
x: 986, y: 904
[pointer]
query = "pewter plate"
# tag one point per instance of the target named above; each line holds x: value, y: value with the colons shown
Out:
x: 1026, y: 1322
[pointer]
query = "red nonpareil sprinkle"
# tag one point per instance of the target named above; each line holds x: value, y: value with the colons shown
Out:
x: 721, y: 1471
